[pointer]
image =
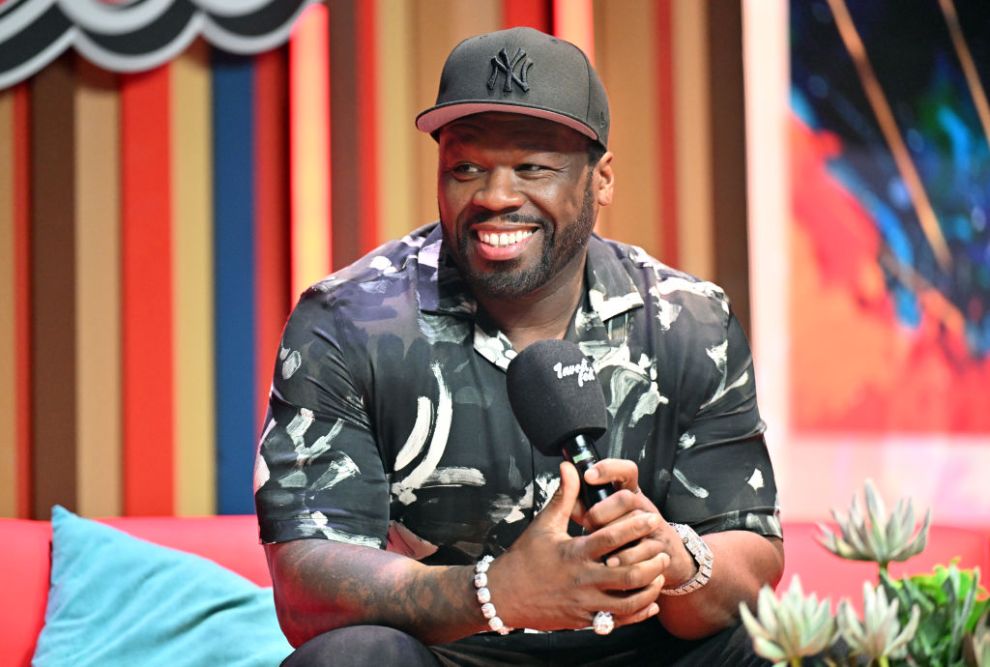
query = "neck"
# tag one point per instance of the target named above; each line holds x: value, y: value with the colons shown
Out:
x: 543, y: 314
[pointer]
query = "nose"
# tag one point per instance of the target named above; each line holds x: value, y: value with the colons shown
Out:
x: 499, y: 191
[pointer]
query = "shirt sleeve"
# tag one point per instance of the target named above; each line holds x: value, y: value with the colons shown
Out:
x: 722, y: 475
x: 318, y: 473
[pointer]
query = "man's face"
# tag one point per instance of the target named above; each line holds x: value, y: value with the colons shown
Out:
x: 517, y: 200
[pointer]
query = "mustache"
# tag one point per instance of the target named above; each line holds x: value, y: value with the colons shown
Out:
x: 488, y: 216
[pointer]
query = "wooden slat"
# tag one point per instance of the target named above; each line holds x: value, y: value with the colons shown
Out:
x: 271, y: 168
x: 53, y: 274
x: 574, y: 20
x: 234, y: 278
x: 366, y: 68
x: 192, y: 233
x: 148, y: 374
x: 728, y: 131
x: 22, y: 295
x: 626, y: 53
x: 666, y: 132
x: 532, y: 13
x: 395, y: 130
x: 97, y: 285
x: 8, y: 335
x: 345, y: 153
x: 309, y: 109
x: 692, y: 110
x: 438, y: 26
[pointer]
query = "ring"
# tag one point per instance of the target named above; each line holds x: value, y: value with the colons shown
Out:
x: 603, y: 623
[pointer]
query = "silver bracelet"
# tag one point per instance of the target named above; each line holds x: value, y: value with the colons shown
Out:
x: 485, y: 597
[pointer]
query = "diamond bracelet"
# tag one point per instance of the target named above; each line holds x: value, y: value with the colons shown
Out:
x: 485, y: 597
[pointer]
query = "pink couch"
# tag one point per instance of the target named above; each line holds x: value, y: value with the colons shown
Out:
x: 232, y: 542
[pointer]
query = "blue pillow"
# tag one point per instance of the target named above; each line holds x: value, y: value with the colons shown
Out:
x: 118, y: 600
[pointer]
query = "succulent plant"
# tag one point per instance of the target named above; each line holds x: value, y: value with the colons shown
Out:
x: 873, y: 537
x: 880, y: 636
x: 951, y: 602
x: 790, y: 628
x: 977, y: 648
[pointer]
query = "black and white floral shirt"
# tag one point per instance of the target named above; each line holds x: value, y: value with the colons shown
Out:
x: 389, y: 422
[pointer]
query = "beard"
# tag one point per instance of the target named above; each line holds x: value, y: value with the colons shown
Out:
x: 509, y: 278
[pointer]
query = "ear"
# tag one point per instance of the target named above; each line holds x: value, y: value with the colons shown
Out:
x: 604, y: 180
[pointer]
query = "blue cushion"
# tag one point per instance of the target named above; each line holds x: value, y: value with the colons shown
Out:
x: 118, y: 600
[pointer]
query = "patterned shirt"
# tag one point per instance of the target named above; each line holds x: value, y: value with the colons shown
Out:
x: 389, y: 422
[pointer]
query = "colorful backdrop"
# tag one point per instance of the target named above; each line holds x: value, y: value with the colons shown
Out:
x: 871, y: 252
x: 156, y: 224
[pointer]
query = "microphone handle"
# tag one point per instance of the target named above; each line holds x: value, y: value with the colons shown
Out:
x: 580, y: 450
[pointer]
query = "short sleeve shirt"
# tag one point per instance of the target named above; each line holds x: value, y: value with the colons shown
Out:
x: 390, y: 426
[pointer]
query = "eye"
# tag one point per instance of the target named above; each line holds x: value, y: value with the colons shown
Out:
x: 531, y: 167
x: 465, y: 169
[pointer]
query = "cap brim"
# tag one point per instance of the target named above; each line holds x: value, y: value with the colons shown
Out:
x: 436, y: 117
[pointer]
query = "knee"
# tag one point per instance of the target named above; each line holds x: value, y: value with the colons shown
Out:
x: 373, y: 645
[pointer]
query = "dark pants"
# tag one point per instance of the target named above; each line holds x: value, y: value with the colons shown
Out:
x: 643, y: 644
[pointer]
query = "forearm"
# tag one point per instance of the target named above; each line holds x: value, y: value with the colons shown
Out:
x: 744, y: 562
x: 321, y: 586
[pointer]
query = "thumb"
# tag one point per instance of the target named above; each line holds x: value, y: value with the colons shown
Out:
x: 557, y: 512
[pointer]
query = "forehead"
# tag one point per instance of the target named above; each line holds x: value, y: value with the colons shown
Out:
x: 512, y: 131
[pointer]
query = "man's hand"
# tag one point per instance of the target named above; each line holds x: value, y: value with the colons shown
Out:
x: 744, y: 561
x: 626, y: 501
x: 549, y: 580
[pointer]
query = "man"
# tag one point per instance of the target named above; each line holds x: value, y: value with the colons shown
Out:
x: 391, y: 469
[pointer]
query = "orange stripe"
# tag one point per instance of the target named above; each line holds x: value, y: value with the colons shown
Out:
x: 271, y: 241
x: 22, y: 294
x: 147, y: 293
x: 309, y: 109
x: 368, y: 123
x: 574, y: 20
x: 666, y: 137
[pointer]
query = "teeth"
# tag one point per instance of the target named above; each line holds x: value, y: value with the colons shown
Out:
x: 501, y: 239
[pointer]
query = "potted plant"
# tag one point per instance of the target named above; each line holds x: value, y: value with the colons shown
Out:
x: 936, y: 619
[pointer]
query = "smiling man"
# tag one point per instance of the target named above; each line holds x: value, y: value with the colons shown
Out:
x: 407, y: 520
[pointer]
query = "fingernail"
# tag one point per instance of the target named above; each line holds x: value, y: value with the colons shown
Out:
x: 653, y: 520
x: 592, y: 474
x: 613, y: 561
x: 654, y: 609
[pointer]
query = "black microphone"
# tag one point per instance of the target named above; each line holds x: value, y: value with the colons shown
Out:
x: 558, y: 401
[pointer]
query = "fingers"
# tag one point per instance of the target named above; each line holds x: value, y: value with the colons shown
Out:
x: 624, y: 474
x: 620, y: 534
x: 558, y: 511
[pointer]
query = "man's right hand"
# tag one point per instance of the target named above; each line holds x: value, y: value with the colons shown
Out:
x: 549, y: 580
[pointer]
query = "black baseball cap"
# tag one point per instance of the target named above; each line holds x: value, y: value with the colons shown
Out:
x: 522, y: 71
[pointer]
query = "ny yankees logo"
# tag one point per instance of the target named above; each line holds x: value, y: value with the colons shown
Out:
x: 501, y: 63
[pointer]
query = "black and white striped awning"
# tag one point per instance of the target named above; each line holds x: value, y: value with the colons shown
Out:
x: 134, y: 35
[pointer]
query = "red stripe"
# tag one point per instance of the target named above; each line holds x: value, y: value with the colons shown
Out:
x: 271, y: 214
x: 532, y: 13
x: 666, y: 139
x: 367, y: 65
x: 22, y: 294
x: 147, y: 293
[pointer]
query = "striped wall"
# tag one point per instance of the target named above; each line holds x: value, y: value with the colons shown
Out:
x: 155, y: 227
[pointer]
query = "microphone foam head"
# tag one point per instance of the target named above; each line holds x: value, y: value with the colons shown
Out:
x: 555, y: 395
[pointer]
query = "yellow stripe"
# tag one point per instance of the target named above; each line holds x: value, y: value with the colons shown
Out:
x: 437, y: 27
x: 98, y: 397
x: 694, y: 169
x: 8, y: 380
x: 396, y: 135
x: 626, y: 53
x: 192, y: 229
